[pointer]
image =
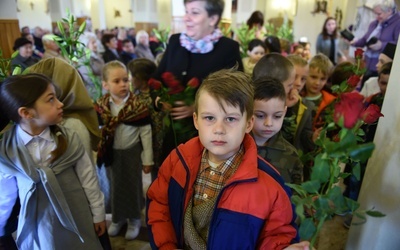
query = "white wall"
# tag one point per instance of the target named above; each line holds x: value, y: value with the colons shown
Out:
x: 306, y: 24
x: 244, y: 10
x: 98, y: 14
x: 125, y: 9
x: 39, y: 15
x: 81, y: 8
x: 178, y: 9
x: 146, y: 11
x: 8, y: 9
x: 381, y: 185
x: 164, y: 10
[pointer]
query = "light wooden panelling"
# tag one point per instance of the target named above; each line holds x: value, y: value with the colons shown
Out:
x: 9, y: 30
x: 146, y: 26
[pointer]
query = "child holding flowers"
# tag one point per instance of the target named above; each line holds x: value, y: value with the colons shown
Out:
x: 171, y: 96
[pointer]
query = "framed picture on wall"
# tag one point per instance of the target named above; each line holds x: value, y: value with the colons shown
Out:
x: 234, y: 6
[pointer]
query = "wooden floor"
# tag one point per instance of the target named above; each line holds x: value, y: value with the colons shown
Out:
x: 333, y: 235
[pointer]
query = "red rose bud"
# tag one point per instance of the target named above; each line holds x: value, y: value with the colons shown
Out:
x: 371, y: 114
x: 169, y: 79
x: 176, y: 90
x: 353, y: 80
x: 349, y: 107
x: 193, y: 83
x: 358, y: 53
x: 154, y: 84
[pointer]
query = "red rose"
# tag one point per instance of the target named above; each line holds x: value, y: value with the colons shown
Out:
x: 176, y: 90
x: 193, y: 83
x: 353, y: 80
x: 169, y: 79
x: 154, y: 84
x: 358, y: 54
x: 349, y: 107
x: 371, y: 114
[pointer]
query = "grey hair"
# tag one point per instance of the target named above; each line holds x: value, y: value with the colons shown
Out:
x: 141, y: 33
x: 386, y: 5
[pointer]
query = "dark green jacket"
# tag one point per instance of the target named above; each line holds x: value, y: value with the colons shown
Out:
x: 283, y: 156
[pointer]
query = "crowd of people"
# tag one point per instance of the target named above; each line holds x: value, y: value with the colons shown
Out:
x: 219, y: 180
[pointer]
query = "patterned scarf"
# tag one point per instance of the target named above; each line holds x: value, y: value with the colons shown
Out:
x: 201, y: 46
x: 132, y: 111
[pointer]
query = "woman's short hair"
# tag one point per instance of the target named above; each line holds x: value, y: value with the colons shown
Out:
x: 213, y: 7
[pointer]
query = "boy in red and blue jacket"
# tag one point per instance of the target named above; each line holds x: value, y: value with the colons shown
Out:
x: 214, y: 192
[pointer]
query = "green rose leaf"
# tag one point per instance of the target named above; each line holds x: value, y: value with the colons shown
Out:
x: 311, y: 186
x: 320, y: 170
x: 374, y: 213
x: 351, y: 204
x: 307, y: 229
x: 361, y: 152
x: 335, y: 195
x: 298, y: 189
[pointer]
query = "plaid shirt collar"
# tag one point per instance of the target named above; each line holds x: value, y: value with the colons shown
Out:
x: 231, y: 163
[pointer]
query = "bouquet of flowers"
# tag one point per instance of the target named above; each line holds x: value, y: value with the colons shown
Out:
x: 320, y: 198
x: 170, y: 91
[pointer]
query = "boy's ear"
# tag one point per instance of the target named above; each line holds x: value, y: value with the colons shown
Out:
x: 105, y: 85
x: 248, y: 53
x: 195, y: 120
x: 250, y: 124
x: 25, y: 113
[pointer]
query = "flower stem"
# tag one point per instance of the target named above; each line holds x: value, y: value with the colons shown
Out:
x: 173, y: 129
x: 320, y: 224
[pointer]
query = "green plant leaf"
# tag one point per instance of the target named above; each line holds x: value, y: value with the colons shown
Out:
x: 14, y: 54
x: 307, y: 229
x: 17, y: 70
x: 336, y: 196
x: 299, y: 203
x: 351, y: 204
x: 356, y: 170
x: 320, y: 170
x: 61, y: 28
x: 311, y: 186
x: 374, y: 213
x: 298, y: 189
x: 361, y: 152
x: 82, y: 27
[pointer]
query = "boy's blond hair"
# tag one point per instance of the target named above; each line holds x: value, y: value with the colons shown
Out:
x: 230, y: 86
x: 297, y: 60
x: 111, y: 65
x: 322, y: 63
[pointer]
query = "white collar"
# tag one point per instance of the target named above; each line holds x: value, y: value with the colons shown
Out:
x: 123, y: 101
x: 26, y: 138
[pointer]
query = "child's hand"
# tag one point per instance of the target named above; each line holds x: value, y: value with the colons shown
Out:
x: 164, y: 106
x: 147, y: 168
x: 316, y: 134
x: 292, y: 98
x: 304, y: 245
x: 100, y: 228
